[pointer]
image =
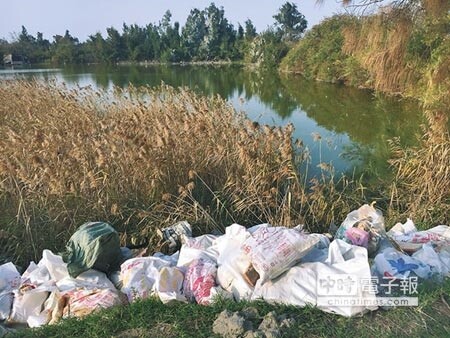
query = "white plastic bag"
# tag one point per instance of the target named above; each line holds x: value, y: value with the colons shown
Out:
x: 139, y: 276
x: 319, y: 253
x: 299, y: 285
x: 28, y: 303
x: 82, y: 302
x: 169, y: 284
x: 196, y: 248
x: 363, y: 227
x: 46, y: 315
x: 273, y: 250
x: 438, y: 262
x: 9, y: 281
x: 55, y: 265
x: 35, y: 286
x: 90, y: 279
x: 392, y: 263
x: 411, y: 240
x: 233, y: 262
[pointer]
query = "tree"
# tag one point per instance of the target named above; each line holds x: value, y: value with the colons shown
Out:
x: 152, y: 44
x: 220, y: 34
x: 4, y: 47
x: 65, y: 49
x: 170, y: 39
x: 95, y: 48
x: 134, y: 38
x: 290, y: 21
x: 193, y: 33
x: 250, y: 30
x: 115, y: 45
x: 266, y: 50
x: 42, y: 48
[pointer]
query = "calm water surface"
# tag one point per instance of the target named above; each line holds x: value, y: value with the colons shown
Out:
x: 346, y: 127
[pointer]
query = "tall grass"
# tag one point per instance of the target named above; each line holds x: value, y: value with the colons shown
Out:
x: 142, y: 158
x: 380, y: 43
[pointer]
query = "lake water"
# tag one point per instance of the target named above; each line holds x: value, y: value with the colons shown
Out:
x: 346, y: 127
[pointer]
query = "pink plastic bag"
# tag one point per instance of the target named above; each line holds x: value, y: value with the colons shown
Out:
x: 200, y: 278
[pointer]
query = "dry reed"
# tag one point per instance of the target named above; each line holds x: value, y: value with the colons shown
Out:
x: 142, y: 158
x: 380, y: 43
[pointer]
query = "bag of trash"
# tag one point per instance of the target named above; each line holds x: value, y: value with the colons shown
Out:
x: 28, y: 301
x: 9, y: 281
x: 273, y: 250
x: 82, y: 302
x: 169, y: 285
x: 49, y: 313
x: 94, y: 245
x: 392, y: 263
x: 90, y: 279
x: 196, y: 248
x: 233, y: 262
x: 35, y: 286
x: 438, y: 261
x: 315, y: 283
x: 174, y: 236
x: 363, y: 227
x: 319, y: 253
x: 139, y: 276
x: 200, y: 278
x: 409, y: 239
x: 55, y: 265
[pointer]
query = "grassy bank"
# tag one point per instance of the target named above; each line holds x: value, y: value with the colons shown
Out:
x: 401, y: 51
x: 151, y: 318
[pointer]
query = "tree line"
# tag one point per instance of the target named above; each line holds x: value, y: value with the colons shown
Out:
x: 206, y: 36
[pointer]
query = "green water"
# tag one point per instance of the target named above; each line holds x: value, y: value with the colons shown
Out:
x: 354, y: 125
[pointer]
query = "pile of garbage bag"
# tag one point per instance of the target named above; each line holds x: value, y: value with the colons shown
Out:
x: 277, y: 264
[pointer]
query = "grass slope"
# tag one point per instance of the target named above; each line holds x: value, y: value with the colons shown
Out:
x: 151, y: 318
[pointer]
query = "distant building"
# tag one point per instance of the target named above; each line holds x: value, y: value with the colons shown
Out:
x: 13, y: 60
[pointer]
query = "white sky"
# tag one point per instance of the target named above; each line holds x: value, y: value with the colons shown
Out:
x: 85, y: 17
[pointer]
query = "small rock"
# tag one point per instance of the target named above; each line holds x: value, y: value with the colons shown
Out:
x: 229, y: 324
x: 270, y: 322
x: 254, y: 334
x: 287, y: 323
x: 250, y: 313
x: 269, y: 327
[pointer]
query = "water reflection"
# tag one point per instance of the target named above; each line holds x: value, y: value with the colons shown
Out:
x: 354, y: 125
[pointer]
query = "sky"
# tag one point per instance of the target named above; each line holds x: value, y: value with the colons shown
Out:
x: 85, y: 17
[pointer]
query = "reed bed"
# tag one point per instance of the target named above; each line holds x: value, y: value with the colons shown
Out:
x: 380, y: 42
x: 143, y: 158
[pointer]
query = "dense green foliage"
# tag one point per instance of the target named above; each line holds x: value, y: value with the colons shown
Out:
x: 206, y: 36
x: 319, y: 54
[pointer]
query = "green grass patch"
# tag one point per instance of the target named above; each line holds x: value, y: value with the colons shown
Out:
x: 151, y: 318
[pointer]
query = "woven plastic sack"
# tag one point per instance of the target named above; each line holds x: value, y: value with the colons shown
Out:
x: 273, y: 250
x: 200, y: 278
